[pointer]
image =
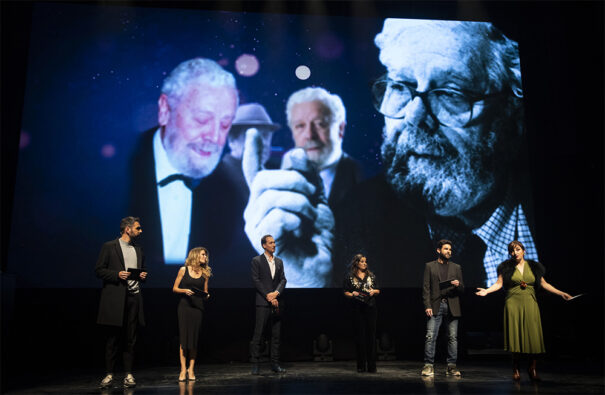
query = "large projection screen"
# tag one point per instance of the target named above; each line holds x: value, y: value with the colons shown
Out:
x: 429, y: 145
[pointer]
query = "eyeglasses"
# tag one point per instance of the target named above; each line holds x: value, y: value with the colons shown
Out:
x: 449, y: 107
x: 138, y: 228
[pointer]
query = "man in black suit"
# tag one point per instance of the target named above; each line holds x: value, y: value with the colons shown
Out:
x: 269, y: 280
x: 177, y: 183
x: 121, y: 305
x: 441, y: 289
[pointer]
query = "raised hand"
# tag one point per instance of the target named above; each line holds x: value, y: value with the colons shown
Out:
x: 290, y: 205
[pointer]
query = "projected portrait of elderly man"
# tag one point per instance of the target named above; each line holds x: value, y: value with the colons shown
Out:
x: 293, y: 202
x: 452, y: 150
x: 176, y: 182
x: 317, y: 119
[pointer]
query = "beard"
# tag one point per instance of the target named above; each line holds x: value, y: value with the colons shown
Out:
x: 320, y: 156
x: 185, y: 158
x: 426, y: 169
x: 133, y: 237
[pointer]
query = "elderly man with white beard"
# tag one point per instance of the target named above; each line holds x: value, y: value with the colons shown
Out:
x: 178, y: 181
x: 452, y: 152
x: 294, y: 202
x: 453, y: 155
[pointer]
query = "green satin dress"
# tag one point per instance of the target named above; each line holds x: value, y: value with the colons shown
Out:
x: 522, y: 324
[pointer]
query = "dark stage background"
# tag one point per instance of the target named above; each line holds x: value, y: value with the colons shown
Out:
x: 561, y: 47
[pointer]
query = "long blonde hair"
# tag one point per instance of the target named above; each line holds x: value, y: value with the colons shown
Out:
x: 193, y: 260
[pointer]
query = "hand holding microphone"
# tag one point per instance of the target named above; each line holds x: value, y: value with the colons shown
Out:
x: 289, y: 204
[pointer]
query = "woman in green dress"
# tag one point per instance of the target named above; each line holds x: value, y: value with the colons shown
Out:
x: 521, y: 278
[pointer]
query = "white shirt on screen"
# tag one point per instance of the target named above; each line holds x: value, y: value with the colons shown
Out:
x: 271, y: 261
x: 327, y: 175
x: 175, y: 206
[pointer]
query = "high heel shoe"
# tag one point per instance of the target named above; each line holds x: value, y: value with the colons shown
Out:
x: 516, y: 373
x: 533, y: 374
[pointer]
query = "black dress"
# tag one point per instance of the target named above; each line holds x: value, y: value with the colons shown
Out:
x: 190, y: 311
x: 364, y: 319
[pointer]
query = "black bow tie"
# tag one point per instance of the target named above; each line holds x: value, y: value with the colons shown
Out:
x: 189, y: 182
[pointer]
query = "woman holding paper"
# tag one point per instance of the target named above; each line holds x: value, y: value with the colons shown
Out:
x: 522, y: 325
x: 360, y: 286
x: 192, y: 284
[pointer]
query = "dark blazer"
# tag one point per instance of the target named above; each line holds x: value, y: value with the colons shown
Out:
x: 261, y: 278
x: 348, y: 174
x: 233, y: 169
x: 432, y: 295
x: 393, y: 234
x: 216, y: 221
x: 113, y: 294
x: 373, y: 221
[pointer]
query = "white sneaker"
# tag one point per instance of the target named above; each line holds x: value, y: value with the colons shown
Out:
x: 129, y: 381
x: 452, y: 371
x: 428, y: 370
x: 107, y: 381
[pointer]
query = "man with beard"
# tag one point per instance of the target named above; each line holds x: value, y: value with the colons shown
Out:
x: 176, y: 183
x: 317, y: 119
x: 453, y: 158
x: 121, y: 305
x: 441, y: 288
x: 314, y: 176
x: 452, y: 152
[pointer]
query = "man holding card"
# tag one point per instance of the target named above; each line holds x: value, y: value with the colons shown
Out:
x: 440, y: 293
x: 121, y: 266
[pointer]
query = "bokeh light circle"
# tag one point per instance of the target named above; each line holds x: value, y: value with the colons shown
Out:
x: 108, y: 150
x: 302, y: 72
x: 247, y: 65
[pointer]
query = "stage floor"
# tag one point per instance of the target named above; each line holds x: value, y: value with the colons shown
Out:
x: 394, y: 377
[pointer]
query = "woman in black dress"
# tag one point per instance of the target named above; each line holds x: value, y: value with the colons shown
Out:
x: 360, y: 286
x: 192, y: 284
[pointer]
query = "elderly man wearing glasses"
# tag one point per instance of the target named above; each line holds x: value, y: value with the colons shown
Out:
x: 453, y: 151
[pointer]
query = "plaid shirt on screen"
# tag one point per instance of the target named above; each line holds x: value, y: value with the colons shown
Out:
x: 507, y: 223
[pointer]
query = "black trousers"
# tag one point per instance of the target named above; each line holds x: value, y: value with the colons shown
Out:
x: 364, y: 320
x: 264, y: 317
x: 123, y: 337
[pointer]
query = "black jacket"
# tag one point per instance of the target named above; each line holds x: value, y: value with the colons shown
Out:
x: 261, y: 278
x: 348, y: 174
x: 216, y: 221
x: 432, y: 294
x: 372, y: 220
x: 113, y: 294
